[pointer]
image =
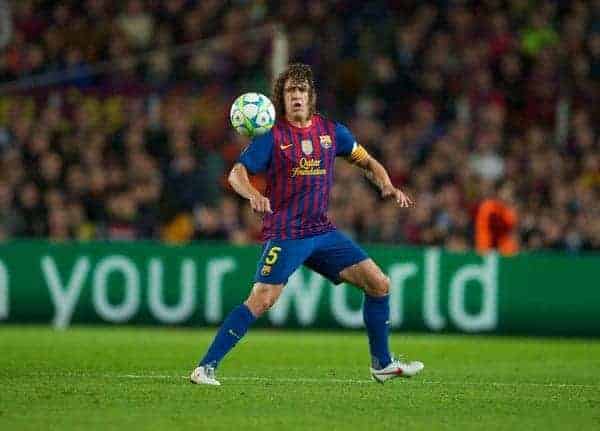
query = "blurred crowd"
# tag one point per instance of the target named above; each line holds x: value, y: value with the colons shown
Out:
x: 485, y: 112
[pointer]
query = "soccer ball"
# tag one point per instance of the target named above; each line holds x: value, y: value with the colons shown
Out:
x: 252, y: 114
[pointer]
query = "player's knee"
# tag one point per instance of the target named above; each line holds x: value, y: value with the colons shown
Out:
x: 261, y: 299
x: 258, y: 305
x: 266, y: 302
x: 379, y: 286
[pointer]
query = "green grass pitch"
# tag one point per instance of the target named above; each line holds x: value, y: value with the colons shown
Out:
x: 136, y: 378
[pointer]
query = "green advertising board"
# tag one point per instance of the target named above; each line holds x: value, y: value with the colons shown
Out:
x: 431, y: 289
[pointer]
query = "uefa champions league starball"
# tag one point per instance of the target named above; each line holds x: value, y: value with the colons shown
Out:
x: 252, y: 114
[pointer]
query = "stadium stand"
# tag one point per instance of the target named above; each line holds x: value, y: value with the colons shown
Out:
x: 114, y: 116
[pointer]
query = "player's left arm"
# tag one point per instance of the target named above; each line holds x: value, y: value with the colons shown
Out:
x: 377, y: 174
x: 374, y: 171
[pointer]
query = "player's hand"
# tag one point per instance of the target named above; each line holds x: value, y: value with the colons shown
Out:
x: 402, y: 198
x: 260, y: 204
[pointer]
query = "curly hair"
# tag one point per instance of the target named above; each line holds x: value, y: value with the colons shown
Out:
x: 297, y: 72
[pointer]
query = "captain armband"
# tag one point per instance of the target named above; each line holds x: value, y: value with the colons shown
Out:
x: 358, y: 154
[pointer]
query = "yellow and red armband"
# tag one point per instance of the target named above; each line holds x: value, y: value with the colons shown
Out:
x: 358, y: 154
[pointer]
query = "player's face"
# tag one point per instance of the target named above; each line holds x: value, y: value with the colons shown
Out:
x: 296, y: 96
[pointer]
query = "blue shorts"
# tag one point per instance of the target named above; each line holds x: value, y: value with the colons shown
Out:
x: 327, y: 253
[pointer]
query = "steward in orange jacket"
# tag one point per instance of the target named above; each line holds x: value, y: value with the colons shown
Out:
x: 495, y: 226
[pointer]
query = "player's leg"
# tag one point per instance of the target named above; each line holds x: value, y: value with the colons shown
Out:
x: 376, y: 313
x: 279, y: 260
x: 340, y: 259
x: 367, y: 276
x: 238, y: 321
x: 234, y: 327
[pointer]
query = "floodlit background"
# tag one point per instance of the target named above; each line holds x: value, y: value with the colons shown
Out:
x: 114, y: 116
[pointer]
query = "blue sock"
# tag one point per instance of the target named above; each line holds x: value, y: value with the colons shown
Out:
x: 376, y: 314
x: 231, y: 331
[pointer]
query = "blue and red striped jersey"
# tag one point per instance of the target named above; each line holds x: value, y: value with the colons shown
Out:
x: 298, y: 163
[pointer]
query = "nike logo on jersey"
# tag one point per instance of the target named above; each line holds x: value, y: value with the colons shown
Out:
x: 285, y: 147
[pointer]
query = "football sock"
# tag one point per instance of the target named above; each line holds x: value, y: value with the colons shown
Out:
x: 231, y: 331
x: 376, y: 314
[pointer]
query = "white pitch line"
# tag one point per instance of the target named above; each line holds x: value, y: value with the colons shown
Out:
x: 362, y: 381
x: 241, y: 378
x: 299, y: 380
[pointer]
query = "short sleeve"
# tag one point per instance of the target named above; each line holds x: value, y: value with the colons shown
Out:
x: 256, y: 157
x: 346, y: 142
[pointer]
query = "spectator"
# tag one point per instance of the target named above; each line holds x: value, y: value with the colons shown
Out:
x: 496, y: 223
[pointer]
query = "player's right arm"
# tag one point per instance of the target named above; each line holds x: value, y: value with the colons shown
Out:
x: 255, y: 158
x: 239, y: 180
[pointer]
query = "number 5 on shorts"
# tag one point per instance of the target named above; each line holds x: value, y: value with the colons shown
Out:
x: 272, y: 255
